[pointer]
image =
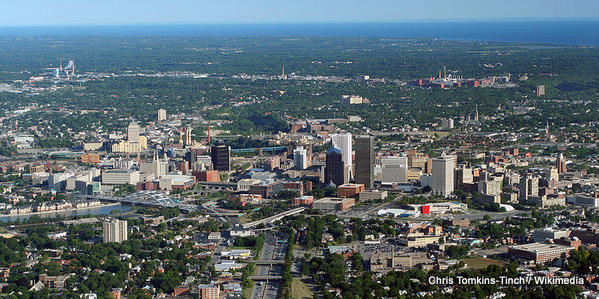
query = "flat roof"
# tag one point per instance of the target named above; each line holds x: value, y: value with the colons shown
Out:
x: 541, y: 247
x: 332, y: 199
x: 350, y: 186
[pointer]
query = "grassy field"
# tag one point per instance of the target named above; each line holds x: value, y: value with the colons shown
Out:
x: 480, y: 262
x: 299, y: 289
x: 246, y: 293
x: 441, y: 134
x: 244, y: 219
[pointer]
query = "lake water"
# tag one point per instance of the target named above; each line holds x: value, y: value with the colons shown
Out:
x: 563, y: 32
x: 105, y: 210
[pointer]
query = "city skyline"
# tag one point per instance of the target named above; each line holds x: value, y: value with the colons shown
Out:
x: 299, y: 160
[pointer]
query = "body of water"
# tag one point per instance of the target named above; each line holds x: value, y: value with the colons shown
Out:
x: 561, y: 32
x: 104, y: 210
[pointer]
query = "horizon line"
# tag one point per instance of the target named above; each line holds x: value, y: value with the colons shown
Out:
x: 428, y: 20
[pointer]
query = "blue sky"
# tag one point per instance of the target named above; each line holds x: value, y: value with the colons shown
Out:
x: 90, y: 12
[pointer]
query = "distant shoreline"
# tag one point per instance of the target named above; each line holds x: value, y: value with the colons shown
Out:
x: 60, y: 211
x: 572, y: 32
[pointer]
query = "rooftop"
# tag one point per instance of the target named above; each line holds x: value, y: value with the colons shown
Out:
x: 541, y: 247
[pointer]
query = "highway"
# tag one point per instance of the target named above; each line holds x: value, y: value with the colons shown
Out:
x: 274, y: 250
x: 273, y: 218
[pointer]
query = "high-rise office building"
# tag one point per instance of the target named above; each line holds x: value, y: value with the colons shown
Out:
x: 463, y: 175
x: 447, y: 124
x: 335, y: 170
x: 133, y: 132
x: 489, y: 190
x: 300, y: 158
x: 344, y: 143
x: 191, y: 157
x: 394, y: 169
x: 552, y: 174
x: 161, y: 115
x: 443, y: 175
x: 221, y: 157
x: 114, y: 231
x: 540, y: 90
x: 529, y: 187
x: 561, y: 164
x: 365, y: 161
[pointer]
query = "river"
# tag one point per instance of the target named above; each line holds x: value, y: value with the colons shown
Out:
x: 103, y: 210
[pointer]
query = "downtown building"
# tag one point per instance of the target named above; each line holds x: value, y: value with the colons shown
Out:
x: 114, y: 231
x: 344, y: 143
x: 394, y: 169
x: 443, y: 169
x: 335, y: 171
x: 161, y: 115
x: 300, y: 158
x: 365, y: 161
x: 221, y: 155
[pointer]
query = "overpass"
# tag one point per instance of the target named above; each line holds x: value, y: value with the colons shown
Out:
x: 273, y: 218
x: 265, y: 277
x: 145, y: 198
x: 212, y: 210
x: 268, y: 262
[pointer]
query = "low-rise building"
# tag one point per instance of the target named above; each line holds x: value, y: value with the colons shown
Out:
x: 349, y: 190
x: 368, y: 195
x: 303, y: 200
x: 227, y: 266
x: 386, y: 261
x: 54, y: 282
x: 245, y: 184
x: 584, y: 200
x: 120, y: 177
x: 211, y: 176
x: 237, y: 253
x: 457, y: 222
x: 541, y: 235
x: 208, y: 291
x: 176, y: 182
x: 419, y: 241
x: 539, y: 252
x: 330, y: 204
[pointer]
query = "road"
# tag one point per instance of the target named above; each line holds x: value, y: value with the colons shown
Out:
x: 274, y: 248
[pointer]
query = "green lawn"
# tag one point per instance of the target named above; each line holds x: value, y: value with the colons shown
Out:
x: 244, y: 219
x: 481, y: 263
x: 299, y: 289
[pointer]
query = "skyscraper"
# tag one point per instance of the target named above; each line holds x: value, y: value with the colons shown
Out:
x: 540, y: 90
x: 561, y: 164
x: 365, y: 161
x: 220, y: 157
x: 552, y: 174
x: 133, y: 132
x: 335, y: 171
x: 300, y: 158
x: 344, y: 143
x: 114, y: 231
x: 161, y: 115
x: 191, y: 157
x: 444, y: 175
x: 529, y: 187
